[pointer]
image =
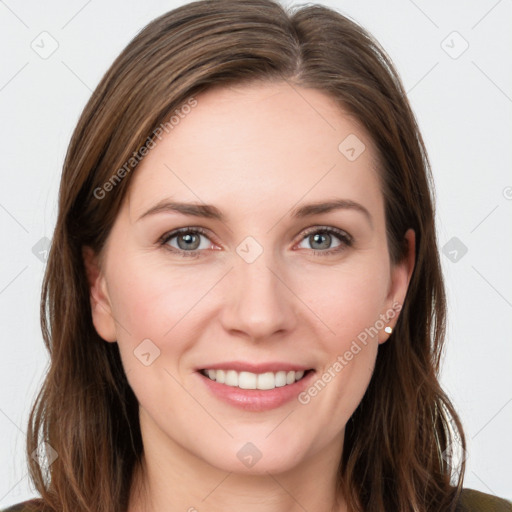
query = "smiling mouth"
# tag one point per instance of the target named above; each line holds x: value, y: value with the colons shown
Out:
x: 249, y: 380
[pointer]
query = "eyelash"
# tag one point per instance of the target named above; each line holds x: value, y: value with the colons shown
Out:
x: 345, y: 239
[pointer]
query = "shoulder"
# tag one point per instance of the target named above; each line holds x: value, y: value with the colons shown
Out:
x: 476, y: 501
x: 33, y: 505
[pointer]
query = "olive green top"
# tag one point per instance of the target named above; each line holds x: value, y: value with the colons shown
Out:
x: 469, y: 501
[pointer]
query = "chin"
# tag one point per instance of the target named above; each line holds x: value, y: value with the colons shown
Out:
x: 257, y: 457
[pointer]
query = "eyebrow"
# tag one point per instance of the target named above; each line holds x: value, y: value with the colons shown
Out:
x: 211, y: 212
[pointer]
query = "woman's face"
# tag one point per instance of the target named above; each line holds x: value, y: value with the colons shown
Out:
x: 270, y: 287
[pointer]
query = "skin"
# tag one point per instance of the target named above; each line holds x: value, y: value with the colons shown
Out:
x: 255, y: 152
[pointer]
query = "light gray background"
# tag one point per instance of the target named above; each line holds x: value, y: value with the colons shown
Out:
x: 463, y: 102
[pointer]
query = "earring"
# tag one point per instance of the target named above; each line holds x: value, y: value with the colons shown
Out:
x: 388, y: 329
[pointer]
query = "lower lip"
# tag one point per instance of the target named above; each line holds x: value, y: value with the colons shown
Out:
x: 257, y: 399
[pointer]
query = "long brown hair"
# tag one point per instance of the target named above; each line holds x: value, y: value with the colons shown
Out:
x: 398, y: 443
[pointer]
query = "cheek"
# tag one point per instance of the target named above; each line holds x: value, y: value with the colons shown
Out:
x: 150, y: 303
x: 150, y: 298
x: 347, y: 300
x: 349, y: 303
x: 151, y: 306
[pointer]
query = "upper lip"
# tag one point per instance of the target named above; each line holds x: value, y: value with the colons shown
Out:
x: 242, y: 366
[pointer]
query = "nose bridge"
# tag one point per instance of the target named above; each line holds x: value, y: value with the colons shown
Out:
x: 258, y: 304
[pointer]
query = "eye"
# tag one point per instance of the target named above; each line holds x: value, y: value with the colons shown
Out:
x: 321, y: 239
x: 187, y: 241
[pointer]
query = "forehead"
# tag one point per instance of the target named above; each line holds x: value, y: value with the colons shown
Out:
x: 257, y: 144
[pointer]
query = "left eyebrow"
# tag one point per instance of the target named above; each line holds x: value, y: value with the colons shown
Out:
x: 209, y: 211
x: 325, y: 207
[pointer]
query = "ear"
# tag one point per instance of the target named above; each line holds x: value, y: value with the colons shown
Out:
x: 102, y: 317
x: 401, y: 273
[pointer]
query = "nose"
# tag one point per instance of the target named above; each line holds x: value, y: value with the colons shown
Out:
x: 259, y: 302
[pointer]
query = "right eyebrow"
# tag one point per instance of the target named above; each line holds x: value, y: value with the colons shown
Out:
x: 197, y: 210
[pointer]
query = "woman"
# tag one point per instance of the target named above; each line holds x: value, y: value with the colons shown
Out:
x: 243, y: 301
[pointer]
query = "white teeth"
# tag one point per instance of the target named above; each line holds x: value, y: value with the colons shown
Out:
x: 231, y: 378
x: 265, y: 381
x: 249, y: 380
x: 280, y: 379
